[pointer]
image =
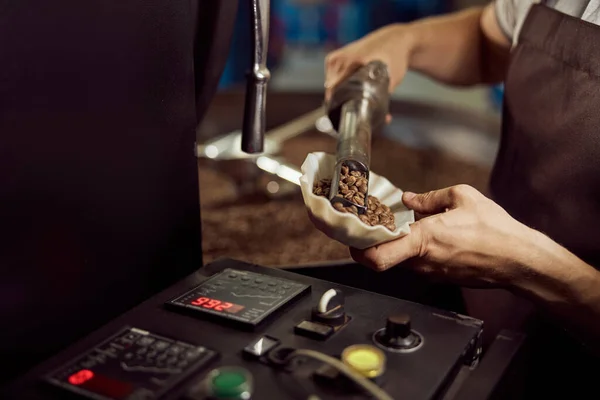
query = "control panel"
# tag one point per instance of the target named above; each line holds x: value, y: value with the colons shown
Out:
x: 133, y: 364
x: 309, y: 339
x: 240, y: 296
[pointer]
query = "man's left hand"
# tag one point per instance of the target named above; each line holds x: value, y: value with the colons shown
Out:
x: 464, y: 238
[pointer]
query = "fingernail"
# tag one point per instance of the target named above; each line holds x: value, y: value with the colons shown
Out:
x: 408, y: 196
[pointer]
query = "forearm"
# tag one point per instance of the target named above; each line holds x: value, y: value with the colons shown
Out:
x: 462, y: 48
x: 561, y: 284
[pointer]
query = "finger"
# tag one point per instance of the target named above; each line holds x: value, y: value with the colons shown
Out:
x: 388, y: 119
x: 331, y: 80
x: 327, y: 94
x: 435, y: 201
x: 339, y: 70
x: 334, y: 67
x: 387, y: 255
x: 419, y: 216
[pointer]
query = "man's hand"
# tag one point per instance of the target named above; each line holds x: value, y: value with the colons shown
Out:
x: 390, y: 44
x: 462, y: 48
x: 464, y: 238
x: 469, y: 240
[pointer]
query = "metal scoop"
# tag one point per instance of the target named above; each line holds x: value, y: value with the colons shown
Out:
x: 357, y: 108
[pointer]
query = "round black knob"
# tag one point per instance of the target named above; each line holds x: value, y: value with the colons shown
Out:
x: 397, y: 334
x: 398, y: 327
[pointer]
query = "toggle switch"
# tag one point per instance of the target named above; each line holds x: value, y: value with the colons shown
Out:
x: 331, y: 308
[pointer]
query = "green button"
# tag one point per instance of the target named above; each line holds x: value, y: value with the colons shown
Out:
x: 230, y: 384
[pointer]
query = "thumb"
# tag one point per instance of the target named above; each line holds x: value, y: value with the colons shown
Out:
x: 433, y: 202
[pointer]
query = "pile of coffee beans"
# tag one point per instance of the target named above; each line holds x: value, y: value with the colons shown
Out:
x: 353, y: 187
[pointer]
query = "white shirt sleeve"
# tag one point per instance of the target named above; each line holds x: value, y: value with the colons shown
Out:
x: 511, y: 15
x: 507, y: 15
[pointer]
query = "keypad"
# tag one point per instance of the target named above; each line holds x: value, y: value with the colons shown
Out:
x: 253, y: 281
x: 161, y: 354
x: 149, y: 363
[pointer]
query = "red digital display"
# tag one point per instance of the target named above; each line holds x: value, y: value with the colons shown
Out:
x: 100, y: 384
x: 217, y: 305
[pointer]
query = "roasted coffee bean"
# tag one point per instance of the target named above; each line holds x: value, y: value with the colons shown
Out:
x: 350, y: 180
x: 353, y: 187
x: 338, y: 206
x: 324, y: 182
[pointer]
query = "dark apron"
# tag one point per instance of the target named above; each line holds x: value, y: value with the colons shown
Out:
x: 547, y: 174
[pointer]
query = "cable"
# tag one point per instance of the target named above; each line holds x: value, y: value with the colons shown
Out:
x: 361, y: 381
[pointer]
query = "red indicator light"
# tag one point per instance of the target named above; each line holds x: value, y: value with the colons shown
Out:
x: 80, y: 377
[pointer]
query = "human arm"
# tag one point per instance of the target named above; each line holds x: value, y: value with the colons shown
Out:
x: 462, y: 48
x: 469, y: 240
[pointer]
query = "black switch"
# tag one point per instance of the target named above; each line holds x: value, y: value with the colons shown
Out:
x: 313, y: 330
x: 398, y: 326
x: 398, y: 334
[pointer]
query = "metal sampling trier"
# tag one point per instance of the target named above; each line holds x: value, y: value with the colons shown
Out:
x: 357, y: 108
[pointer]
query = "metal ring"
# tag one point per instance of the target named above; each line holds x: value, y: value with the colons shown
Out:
x: 392, y: 350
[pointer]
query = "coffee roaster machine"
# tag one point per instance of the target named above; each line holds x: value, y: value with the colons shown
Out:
x: 228, y: 330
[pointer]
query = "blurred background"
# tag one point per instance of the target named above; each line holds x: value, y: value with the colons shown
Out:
x: 440, y: 136
x: 304, y: 31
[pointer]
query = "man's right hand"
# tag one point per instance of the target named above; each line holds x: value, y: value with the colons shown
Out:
x: 391, y: 44
x: 461, y: 48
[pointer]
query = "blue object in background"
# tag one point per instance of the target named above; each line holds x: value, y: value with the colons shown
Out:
x: 384, y: 12
x: 240, y: 52
x: 497, y: 95
x: 353, y: 22
x: 318, y: 24
x: 303, y: 24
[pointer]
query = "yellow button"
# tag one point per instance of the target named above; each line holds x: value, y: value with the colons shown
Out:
x: 367, y: 360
